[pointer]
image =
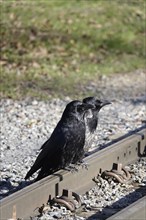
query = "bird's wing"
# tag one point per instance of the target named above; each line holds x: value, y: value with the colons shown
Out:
x: 51, y: 147
x: 45, y: 144
x: 56, y: 133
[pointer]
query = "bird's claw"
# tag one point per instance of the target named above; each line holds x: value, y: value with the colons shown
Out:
x: 75, y: 167
x: 72, y: 168
x: 85, y: 165
x: 82, y: 165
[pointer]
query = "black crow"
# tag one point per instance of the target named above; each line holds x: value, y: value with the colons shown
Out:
x: 91, y: 119
x: 66, y: 141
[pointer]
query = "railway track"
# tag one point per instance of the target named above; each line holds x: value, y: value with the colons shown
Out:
x: 125, y: 150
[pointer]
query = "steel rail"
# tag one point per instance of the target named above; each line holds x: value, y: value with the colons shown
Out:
x: 23, y: 203
x: 135, y: 211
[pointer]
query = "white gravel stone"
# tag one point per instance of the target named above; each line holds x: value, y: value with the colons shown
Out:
x: 27, y: 124
x: 105, y: 198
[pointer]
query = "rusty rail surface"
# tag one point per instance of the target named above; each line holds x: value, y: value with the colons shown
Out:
x: 23, y: 203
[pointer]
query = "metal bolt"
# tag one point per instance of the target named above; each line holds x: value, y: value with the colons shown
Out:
x: 117, y: 168
x: 67, y: 193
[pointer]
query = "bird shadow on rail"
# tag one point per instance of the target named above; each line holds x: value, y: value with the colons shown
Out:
x: 117, y: 206
x: 6, y: 184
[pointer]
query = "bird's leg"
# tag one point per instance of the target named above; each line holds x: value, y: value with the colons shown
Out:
x: 72, y: 168
x: 77, y: 165
x: 83, y: 164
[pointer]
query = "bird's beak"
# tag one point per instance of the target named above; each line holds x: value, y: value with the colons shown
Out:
x: 103, y: 103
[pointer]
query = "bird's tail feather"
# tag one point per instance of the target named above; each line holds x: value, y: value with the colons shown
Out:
x: 31, y: 171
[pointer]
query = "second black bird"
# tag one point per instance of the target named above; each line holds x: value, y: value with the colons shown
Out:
x: 66, y: 144
x: 92, y: 121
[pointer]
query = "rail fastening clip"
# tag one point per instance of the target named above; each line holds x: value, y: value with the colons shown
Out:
x: 118, y: 172
x: 69, y: 199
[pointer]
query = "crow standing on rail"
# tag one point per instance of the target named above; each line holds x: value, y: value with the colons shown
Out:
x: 66, y: 144
x: 92, y: 117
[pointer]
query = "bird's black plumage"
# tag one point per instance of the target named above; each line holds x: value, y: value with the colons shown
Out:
x: 92, y: 121
x: 66, y: 144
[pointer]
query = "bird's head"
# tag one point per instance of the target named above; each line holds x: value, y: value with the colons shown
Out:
x: 77, y: 108
x: 96, y: 103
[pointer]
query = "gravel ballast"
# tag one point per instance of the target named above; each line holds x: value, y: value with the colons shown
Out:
x: 27, y: 124
x: 105, y: 199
